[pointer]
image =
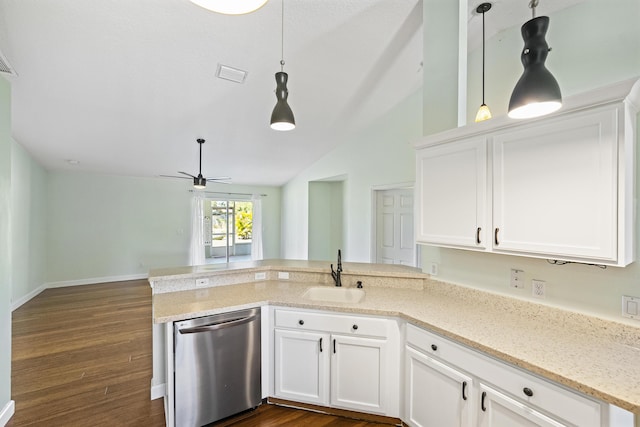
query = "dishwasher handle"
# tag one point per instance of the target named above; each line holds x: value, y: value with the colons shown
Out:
x: 218, y: 325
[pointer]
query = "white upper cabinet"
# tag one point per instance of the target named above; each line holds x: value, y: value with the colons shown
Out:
x: 452, y: 187
x: 555, y: 189
x: 560, y: 187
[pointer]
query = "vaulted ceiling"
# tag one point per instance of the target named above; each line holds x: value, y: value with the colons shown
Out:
x: 126, y: 86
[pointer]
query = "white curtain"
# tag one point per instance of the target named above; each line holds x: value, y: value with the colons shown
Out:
x: 196, y: 251
x: 256, y: 231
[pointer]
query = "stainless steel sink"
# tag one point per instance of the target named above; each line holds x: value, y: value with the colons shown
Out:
x: 334, y: 294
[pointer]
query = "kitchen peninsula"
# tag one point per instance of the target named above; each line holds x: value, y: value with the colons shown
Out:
x: 597, y: 358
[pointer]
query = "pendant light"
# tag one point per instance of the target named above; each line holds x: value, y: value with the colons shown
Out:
x: 231, y: 7
x: 282, y: 116
x: 537, y: 92
x: 483, y: 112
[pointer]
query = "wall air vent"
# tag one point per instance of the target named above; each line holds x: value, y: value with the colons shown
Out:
x: 5, y: 68
x: 230, y: 73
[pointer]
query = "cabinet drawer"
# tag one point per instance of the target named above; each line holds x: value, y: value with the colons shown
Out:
x: 332, y: 323
x: 550, y: 398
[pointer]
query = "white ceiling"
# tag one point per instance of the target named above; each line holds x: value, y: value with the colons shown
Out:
x: 126, y: 86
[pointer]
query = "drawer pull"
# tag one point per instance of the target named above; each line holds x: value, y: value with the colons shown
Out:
x: 434, y: 347
x: 478, y: 230
x: 527, y: 391
x: 484, y: 396
x: 355, y: 327
x: 320, y: 345
x: 300, y: 322
x: 464, y: 390
x: 495, y: 236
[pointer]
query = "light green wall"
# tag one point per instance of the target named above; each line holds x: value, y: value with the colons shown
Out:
x: 103, y: 226
x: 28, y: 223
x: 592, y: 46
x: 5, y: 243
x: 326, y: 217
x: 380, y: 155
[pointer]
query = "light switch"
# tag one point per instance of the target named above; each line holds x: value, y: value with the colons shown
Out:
x: 632, y: 308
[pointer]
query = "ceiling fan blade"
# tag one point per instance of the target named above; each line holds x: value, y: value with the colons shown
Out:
x: 188, y: 174
x: 174, y: 176
x: 219, y: 178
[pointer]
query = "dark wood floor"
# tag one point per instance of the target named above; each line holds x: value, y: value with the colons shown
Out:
x: 81, y: 356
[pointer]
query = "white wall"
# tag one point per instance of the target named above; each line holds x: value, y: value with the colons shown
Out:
x: 592, y: 46
x: 379, y: 155
x: 103, y: 226
x: 5, y: 246
x: 29, y: 213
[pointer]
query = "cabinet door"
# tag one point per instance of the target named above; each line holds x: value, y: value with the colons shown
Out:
x: 451, y: 188
x: 436, y: 394
x: 555, y: 188
x: 499, y: 410
x: 302, y: 366
x: 358, y: 373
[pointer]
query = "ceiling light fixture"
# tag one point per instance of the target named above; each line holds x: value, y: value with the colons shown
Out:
x: 231, y: 7
x: 483, y: 112
x: 537, y: 92
x: 282, y: 116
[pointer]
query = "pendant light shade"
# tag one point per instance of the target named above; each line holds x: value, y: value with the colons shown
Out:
x: 282, y: 116
x: 231, y: 7
x: 537, y: 92
x: 483, y: 112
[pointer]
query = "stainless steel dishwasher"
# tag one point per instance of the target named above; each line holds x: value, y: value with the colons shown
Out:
x: 217, y: 367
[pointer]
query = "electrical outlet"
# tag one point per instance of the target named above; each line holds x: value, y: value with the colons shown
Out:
x: 538, y: 288
x: 261, y: 276
x: 631, y: 307
x: 517, y: 278
x: 433, y: 270
x: 283, y: 275
x: 202, y: 282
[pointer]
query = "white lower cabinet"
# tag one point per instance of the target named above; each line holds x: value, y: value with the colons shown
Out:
x: 358, y: 373
x: 498, y: 395
x: 342, y: 361
x: 302, y: 366
x: 499, y: 410
x: 437, y: 394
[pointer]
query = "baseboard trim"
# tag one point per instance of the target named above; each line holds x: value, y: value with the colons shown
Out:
x: 95, y: 280
x: 381, y: 419
x: 80, y: 282
x: 7, y: 412
x: 158, y: 391
x: 20, y: 301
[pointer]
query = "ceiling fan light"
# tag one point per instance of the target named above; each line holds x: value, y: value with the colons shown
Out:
x: 537, y: 92
x: 231, y: 7
x: 199, y: 182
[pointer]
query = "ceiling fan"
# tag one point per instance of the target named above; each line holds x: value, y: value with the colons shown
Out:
x: 199, y: 181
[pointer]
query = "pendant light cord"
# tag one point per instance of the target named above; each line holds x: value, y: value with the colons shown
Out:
x: 282, y: 40
x: 533, y: 4
x: 483, y: 57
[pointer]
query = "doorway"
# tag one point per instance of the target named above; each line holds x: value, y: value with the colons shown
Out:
x: 393, y: 227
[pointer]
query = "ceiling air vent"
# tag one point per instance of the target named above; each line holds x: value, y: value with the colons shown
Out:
x: 5, y: 68
x: 230, y: 73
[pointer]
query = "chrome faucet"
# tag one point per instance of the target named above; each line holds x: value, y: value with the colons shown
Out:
x: 336, y: 273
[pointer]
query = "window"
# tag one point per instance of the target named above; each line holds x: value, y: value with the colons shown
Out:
x: 231, y: 230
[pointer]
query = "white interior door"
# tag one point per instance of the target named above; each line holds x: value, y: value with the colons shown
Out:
x: 395, y: 241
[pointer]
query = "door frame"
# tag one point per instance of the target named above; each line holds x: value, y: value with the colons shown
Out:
x: 374, y: 231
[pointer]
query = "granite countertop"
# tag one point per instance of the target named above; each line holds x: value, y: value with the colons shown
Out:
x: 597, y: 357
